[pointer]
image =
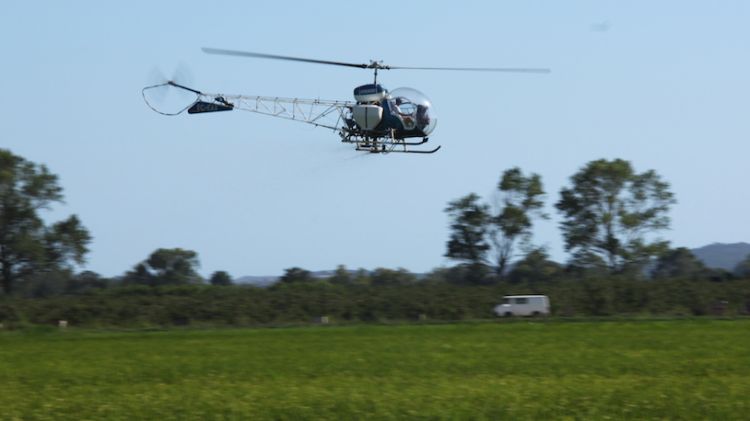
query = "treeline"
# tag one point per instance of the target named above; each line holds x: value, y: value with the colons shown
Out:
x: 363, y: 299
x: 165, y: 290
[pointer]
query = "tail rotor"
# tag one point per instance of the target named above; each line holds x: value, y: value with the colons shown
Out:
x: 170, y: 96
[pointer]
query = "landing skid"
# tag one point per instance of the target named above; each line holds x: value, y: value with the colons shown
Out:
x: 419, y: 150
x: 383, y: 149
x: 387, y: 145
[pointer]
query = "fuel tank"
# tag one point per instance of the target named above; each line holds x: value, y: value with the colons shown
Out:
x: 367, y: 116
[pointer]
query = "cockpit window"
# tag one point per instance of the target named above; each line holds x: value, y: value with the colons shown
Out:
x: 413, y: 109
x: 405, y: 107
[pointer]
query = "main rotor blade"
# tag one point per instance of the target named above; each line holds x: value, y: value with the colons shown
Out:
x: 478, y: 69
x: 277, y: 57
x: 372, y: 64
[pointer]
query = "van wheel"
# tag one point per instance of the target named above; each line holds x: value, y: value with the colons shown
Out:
x: 536, y: 314
x: 508, y: 314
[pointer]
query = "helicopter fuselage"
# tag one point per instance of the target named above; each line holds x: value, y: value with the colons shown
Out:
x: 403, y: 113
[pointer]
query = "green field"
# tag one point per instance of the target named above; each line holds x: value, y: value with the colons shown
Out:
x: 679, y: 369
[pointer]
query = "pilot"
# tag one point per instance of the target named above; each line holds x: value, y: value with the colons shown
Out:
x: 398, y: 101
x: 423, y: 119
x: 407, y: 118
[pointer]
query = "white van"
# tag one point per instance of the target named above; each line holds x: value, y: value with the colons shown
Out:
x: 523, y: 305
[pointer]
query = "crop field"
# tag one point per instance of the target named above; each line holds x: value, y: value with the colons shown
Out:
x: 675, y: 369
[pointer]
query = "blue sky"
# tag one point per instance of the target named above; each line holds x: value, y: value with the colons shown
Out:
x: 662, y: 84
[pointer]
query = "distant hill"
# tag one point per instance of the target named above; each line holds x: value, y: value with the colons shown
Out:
x: 260, y: 281
x: 722, y: 256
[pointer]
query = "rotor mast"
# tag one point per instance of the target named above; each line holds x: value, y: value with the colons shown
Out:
x: 376, y: 65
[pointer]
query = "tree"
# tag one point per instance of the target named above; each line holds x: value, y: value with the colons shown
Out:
x: 468, y: 239
x: 610, y: 210
x: 220, y: 278
x: 27, y: 245
x: 679, y: 263
x: 174, y: 266
x: 86, y: 281
x: 390, y: 277
x: 521, y: 200
x: 139, y: 275
x: 43, y: 284
x: 296, y: 275
x: 469, y: 222
x: 341, y: 276
x: 584, y: 263
x: 535, y: 267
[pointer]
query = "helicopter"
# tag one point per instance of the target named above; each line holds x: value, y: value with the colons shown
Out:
x: 377, y: 121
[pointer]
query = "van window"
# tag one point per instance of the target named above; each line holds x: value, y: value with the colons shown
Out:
x: 506, y: 300
x: 523, y: 300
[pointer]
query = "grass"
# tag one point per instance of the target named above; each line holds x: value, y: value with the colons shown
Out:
x: 681, y: 369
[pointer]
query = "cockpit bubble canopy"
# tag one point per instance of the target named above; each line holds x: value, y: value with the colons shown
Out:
x: 412, y: 105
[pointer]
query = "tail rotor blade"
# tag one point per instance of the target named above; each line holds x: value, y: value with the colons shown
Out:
x: 156, y: 78
x: 170, y: 96
x: 182, y: 74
